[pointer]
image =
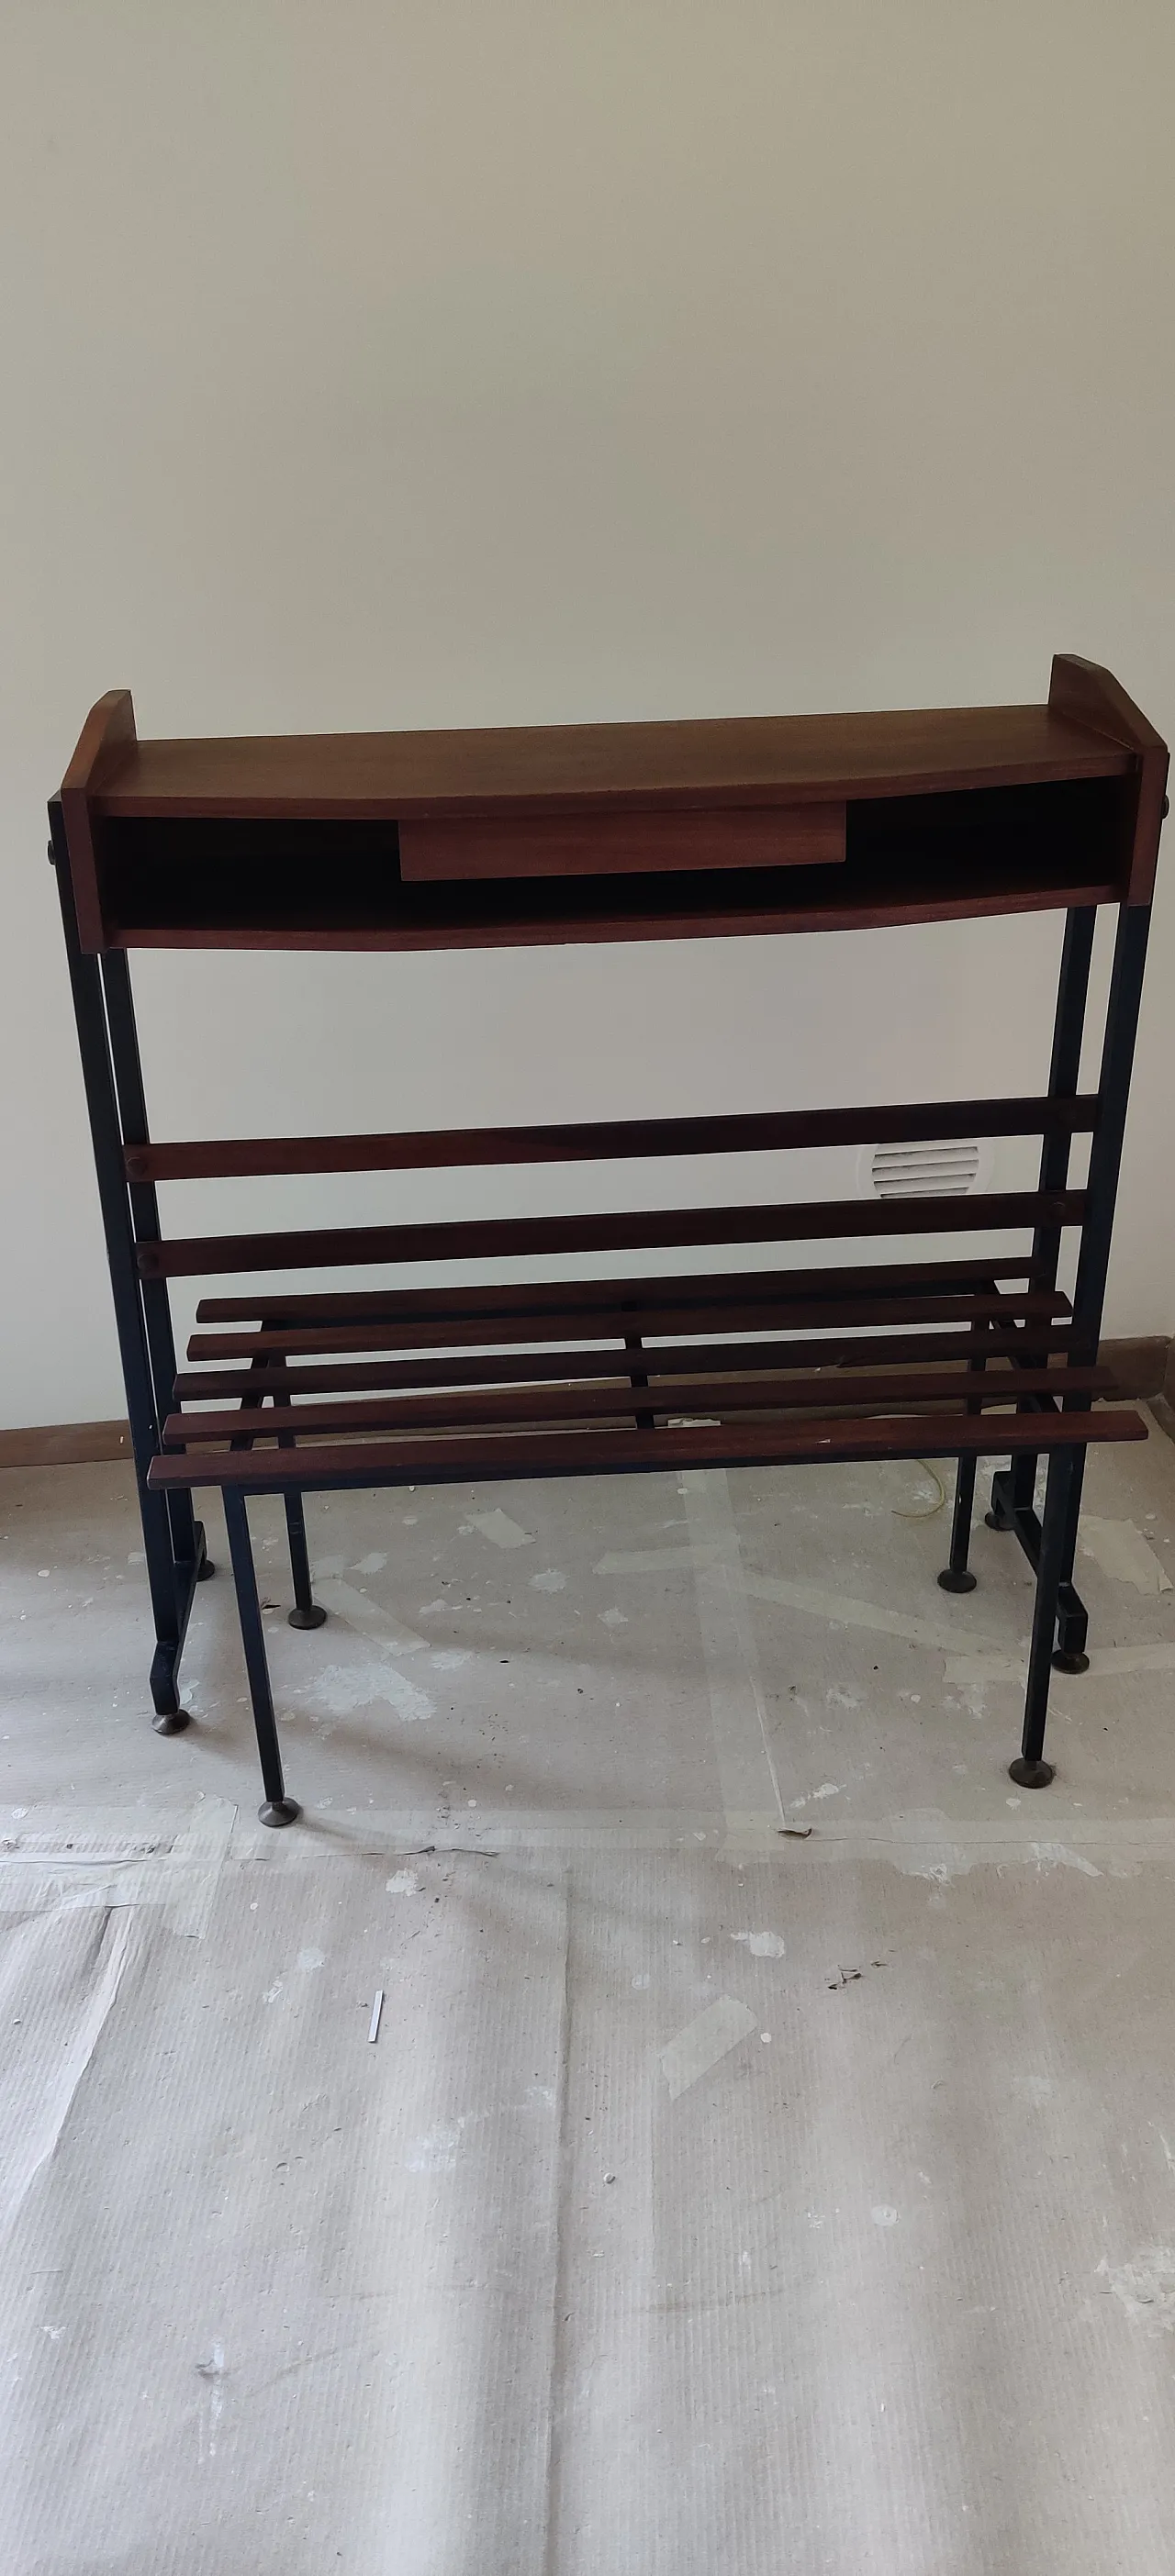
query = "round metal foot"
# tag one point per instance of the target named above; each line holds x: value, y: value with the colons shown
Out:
x: 207, y: 1570
x: 170, y: 1721
x: 992, y: 1520
x: 1030, y: 1775
x: 279, y: 1811
x: 1069, y: 1663
x: 949, y: 1581
x: 314, y: 1617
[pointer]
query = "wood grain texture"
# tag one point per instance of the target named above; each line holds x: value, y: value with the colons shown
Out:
x: 588, y: 768
x: 829, y: 1353
x: 199, y: 1256
x: 1086, y: 694
x: 765, y: 1391
x: 592, y: 845
x: 779, y: 1316
x: 896, y: 905
x: 444, y: 1459
x: 627, y: 1298
x: 608, y: 1140
x: 106, y: 738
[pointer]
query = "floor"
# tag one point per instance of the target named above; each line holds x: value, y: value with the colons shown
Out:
x: 766, y: 2156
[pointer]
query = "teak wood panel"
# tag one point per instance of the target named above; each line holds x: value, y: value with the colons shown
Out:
x: 612, y: 844
x: 1089, y: 730
x: 739, y: 760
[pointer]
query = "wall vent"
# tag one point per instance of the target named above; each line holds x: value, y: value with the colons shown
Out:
x: 927, y: 1171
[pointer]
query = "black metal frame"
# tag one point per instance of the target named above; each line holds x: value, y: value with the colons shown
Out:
x: 174, y: 1540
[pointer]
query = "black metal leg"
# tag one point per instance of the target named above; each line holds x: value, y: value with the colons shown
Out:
x: 114, y: 969
x: 1072, y: 1617
x: 1014, y: 1493
x: 171, y: 1584
x: 1030, y: 1770
x: 637, y: 1378
x: 277, y: 1809
x: 307, y: 1612
x: 956, y: 1575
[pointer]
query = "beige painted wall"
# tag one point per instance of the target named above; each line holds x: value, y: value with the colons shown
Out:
x: 395, y: 362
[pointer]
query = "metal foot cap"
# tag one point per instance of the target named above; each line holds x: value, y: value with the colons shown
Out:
x: 1030, y: 1775
x: 963, y: 1581
x: 314, y: 1617
x: 279, y: 1811
x: 995, y: 1520
x: 205, y: 1570
x: 1070, y: 1663
x: 170, y: 1721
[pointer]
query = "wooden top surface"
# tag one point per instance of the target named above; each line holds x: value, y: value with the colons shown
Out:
x: 575, y: 768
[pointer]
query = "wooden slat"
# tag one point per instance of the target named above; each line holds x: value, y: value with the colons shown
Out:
x: 567, y: 1328
x: 611, y: 1140
x: 452, y: 1408
x: 509, y: 1237
x: 715, y: 1288
x: 319, y: 1467
x: 673, y: 1360
x: 1085, y: 693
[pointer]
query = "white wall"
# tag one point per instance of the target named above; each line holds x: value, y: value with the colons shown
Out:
x: 400, y: 362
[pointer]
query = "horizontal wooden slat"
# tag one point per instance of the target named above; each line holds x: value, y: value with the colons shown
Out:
x: 714, y: 1288
x: 319, y: 1467
x: 609, y: 1140
x: 684, y: 1359
x: 507, y: 1238
x: 452, y: 1408
x: 452, y: 1333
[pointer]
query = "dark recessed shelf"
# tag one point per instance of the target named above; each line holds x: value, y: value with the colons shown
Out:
x: 276, y: 883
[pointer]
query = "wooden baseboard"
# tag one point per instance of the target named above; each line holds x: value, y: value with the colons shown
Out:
x: 1140, y: 1366
x: 1144, y: 1366
x: 64, y: 1444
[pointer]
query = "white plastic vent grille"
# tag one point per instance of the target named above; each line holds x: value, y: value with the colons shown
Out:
x: 926, y: 1171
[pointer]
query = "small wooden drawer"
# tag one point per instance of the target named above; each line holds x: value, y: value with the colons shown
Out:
x: 622, y: 844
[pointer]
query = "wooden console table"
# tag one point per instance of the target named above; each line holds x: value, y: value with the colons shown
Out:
x: 615, y: 832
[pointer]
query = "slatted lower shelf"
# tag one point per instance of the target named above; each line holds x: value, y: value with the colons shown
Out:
x: 586, y: 1377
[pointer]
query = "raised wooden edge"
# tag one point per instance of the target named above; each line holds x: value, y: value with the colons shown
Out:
x: 607, y: 1140
x: 1089, y: 695
x: 108, y: 732
x: 772, y: 921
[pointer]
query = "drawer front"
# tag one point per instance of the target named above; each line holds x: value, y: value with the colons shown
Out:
x: 620, y: 844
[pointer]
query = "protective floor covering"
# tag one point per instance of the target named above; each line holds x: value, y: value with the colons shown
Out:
x: 716, y: 2194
